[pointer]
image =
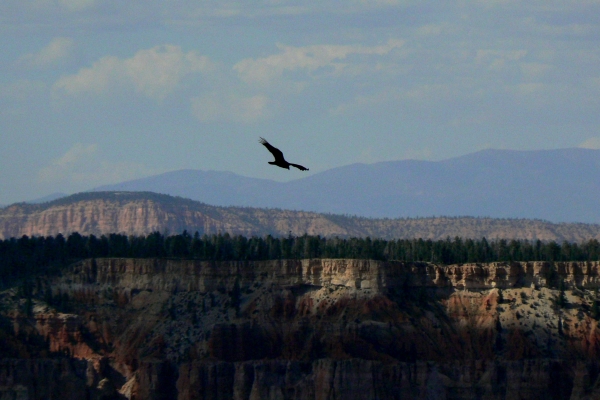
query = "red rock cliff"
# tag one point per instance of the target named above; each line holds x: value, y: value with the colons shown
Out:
x: 307, y: 329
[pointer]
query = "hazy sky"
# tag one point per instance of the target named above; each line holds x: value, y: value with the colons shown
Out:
x: 100, y: 91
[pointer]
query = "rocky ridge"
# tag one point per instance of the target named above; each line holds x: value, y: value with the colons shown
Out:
x: 304, y: 329
x: 141, y: 213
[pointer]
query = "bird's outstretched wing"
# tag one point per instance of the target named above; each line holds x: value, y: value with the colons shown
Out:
x: 274, y: 150
x: 300, y: 167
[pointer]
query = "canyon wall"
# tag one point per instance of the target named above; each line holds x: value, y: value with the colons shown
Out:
x: 303, y: 329
x: 141, y: 213
x: 378, y: 276
x: 99, y: 217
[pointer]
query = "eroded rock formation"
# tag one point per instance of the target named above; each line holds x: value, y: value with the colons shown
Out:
x: 141, y: 213
x: 304, y: 329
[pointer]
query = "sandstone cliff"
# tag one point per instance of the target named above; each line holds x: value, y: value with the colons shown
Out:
x: 140, y: 213
x: 303, y: 329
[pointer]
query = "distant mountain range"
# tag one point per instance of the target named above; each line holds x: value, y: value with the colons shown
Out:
x: 140, y: 213
x: 47, y: 198
x: 554, y: 185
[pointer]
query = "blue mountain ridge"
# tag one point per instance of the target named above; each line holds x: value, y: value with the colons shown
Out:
x: 555, y: 185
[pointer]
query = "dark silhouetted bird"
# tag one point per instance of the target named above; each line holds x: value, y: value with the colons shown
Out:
x: 279, y: 160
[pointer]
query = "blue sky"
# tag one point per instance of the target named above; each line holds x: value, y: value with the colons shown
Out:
x: 101, y: 91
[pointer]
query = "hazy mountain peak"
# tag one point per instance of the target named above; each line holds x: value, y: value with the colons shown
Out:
x: 556, y: 185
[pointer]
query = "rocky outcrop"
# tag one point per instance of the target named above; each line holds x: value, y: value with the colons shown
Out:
x: 64, y: 378
x: 141, y: 213
x: 304, y: 329
x: 99, y: 217
x: 134, y: 213
x: 364, y: 379
x: 364, y: 276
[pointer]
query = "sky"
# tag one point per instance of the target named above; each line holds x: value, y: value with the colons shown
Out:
x: 94, y: 92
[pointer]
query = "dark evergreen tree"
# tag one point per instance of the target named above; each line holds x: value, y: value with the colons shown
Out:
x: 27, y: 256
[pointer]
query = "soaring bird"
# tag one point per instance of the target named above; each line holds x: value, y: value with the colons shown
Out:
x: 279, y: 160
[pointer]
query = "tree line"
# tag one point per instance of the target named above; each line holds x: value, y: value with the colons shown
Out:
x: 21, y: 257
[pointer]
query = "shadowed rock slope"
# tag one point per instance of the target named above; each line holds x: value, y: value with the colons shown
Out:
x: 140, y: 213
x: 303, y: 329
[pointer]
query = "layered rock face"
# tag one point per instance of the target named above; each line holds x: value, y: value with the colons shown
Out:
x: 134, y: 213
x: 305, y: 329
x: 141, y: 213
x: 104, y: 216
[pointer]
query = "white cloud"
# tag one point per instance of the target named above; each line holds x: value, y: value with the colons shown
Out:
x: 307, y: 58
x: 154, y: 72
x: 498, y: 59
x: 591, y: 143
x: 67, y: 166
x: 57, y: 50
x: 95, y: 79
x: 81, y: 168
x: 418, y: 95
x: 236, y: 108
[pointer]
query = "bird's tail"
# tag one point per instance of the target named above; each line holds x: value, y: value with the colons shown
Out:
x: 300, y: 167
